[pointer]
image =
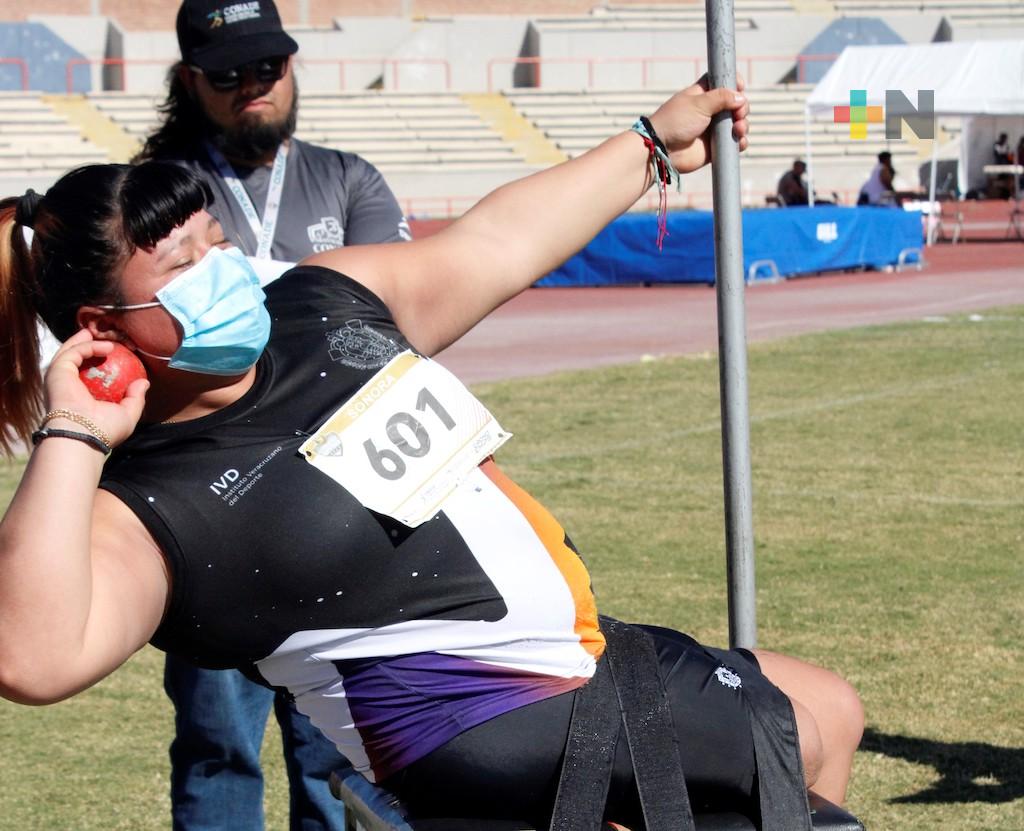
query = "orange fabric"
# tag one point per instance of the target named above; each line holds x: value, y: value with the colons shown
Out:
x: 568, y: 562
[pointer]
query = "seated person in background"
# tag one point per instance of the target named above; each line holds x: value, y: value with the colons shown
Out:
x: 791, y: 189
x: 1018, y: 158
x: 441, y: 650
x: 878, y: 189
x: 1001, y: 185
x: 1001, y: 150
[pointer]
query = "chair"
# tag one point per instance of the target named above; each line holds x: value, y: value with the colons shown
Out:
x: 360, y: 816
x: 626, y: 692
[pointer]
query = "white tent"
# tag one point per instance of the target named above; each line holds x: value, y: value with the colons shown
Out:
x: 969, y: 78
x: 979, y: 78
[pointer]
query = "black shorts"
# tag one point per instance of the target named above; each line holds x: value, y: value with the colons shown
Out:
x: 509, y: 767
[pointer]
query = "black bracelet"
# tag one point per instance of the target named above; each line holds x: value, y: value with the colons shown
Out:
x: 88, y: 438
x: 654, y: 136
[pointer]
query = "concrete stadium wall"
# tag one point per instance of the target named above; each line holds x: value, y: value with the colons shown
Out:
x: 782, y: 39
x: 786, y: 37
x: 919, y: 28
x: 142, y: 32
x: 87, y: 35
x: 150, y: 55
x: 11, y: 185
x: 136, y: 15
x: 466, y: 45
x: 964, y: 32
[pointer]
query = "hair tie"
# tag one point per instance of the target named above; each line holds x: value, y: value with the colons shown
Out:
x: 25, y: 210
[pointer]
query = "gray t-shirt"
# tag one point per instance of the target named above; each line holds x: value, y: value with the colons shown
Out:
x: 330, y: 198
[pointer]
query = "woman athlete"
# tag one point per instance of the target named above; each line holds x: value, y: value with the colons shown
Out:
x: 298, y: 491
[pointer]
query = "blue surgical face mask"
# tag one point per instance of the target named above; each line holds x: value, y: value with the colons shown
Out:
x: 219, y: 304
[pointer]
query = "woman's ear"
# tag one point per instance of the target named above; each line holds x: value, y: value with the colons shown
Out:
x: 102, y: 325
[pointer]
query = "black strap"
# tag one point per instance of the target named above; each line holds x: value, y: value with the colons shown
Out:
x: 780, y: 772
x: 653, y: 742
x: 589, y: 754
x: 626, y: 689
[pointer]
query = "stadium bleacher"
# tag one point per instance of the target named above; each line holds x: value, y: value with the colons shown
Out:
x: 577, y: 119
x: 395, y: 131
x: 438, y: 133
x: 993, y: 12
x: 411, y: 132
x: 402, y: 130
x: 34, y: 139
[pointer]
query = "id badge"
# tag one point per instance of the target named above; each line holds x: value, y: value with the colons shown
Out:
x: 406, y: 439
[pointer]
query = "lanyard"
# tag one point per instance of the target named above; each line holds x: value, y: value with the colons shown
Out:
x: 264, y: 232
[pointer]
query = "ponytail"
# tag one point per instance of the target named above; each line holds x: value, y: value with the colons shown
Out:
x: 21, y: 383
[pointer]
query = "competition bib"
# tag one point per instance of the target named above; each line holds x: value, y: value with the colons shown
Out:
x: 406, y: 439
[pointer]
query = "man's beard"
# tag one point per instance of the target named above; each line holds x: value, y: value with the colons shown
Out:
x: 253, y: 139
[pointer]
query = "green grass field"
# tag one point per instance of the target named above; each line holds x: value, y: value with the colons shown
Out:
x: 889, y: 519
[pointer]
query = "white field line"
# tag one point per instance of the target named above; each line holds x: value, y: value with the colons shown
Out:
x: 957, y: 305
x: 819, y: 406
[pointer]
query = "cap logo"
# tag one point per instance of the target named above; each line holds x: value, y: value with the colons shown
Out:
x: 235, y: 13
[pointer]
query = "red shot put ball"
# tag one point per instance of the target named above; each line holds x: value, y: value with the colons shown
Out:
x: 107, y: 377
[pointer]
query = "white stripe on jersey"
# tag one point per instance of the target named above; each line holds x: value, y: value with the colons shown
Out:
x: 537, y: 635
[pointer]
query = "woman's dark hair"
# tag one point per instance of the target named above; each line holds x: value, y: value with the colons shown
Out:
x: 85, y: 229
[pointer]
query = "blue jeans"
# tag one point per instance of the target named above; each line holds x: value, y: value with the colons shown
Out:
x: 216, y: 781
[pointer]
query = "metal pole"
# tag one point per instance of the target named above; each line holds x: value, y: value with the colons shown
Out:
x: 810, y: 160
x: 933, y: 220
x: 732, y: 346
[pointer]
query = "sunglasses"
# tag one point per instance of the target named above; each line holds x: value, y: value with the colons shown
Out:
x: 266, y: 71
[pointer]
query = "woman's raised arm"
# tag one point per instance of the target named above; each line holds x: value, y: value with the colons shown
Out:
x: 82, y: 583
x: 440, y: 287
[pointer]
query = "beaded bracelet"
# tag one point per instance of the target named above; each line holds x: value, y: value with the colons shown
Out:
x: 78, y: 418
x: 88, y: 438
x: 662, y: 170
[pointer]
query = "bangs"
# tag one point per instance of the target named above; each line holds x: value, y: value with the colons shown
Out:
x: 157, y: 197
x: 93, y: 220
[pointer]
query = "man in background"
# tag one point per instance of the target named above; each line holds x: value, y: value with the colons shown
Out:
x: 878, y: 189
x: 791, y: 189
x: 230, y: 116
x: 1001, y: 150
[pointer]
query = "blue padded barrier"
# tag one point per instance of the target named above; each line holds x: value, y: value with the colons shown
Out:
x: 798, y: 240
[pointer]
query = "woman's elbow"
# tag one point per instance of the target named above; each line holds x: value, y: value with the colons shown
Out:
x: 32, y: 685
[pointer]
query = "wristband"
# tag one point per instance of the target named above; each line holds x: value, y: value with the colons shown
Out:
x: 87, y: 438
x: 662, y: 171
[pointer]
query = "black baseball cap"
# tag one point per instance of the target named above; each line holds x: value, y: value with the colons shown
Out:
x: 222, y: 35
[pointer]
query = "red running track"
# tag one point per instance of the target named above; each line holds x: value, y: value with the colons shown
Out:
x: 552, y: 329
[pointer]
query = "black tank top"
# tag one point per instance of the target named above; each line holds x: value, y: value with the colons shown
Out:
x: 230, y: 500
x: 391, y: 639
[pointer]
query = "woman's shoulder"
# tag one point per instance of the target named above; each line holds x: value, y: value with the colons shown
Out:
x: 313, y: 305
x: 311, y: 282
